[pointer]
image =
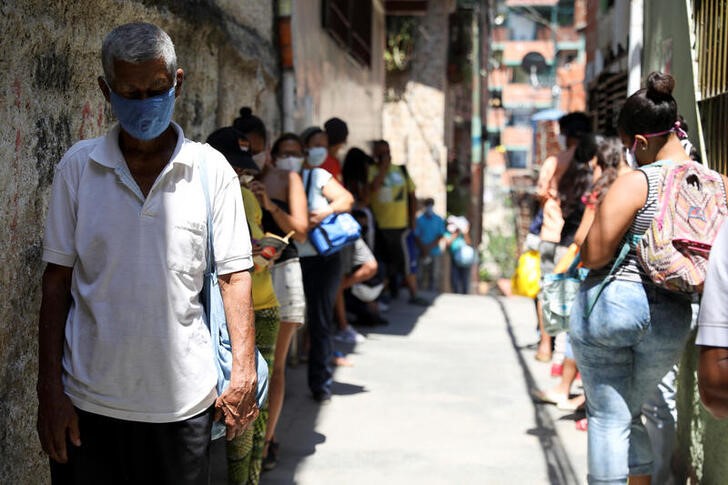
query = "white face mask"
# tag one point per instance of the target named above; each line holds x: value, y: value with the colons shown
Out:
x: 259, y: 159
x: 245, y: 179
x: 562, y: 142
x: 316, y: 156
x: 290, y: 163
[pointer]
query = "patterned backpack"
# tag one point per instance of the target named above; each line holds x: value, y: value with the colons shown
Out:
x: 691, y: 207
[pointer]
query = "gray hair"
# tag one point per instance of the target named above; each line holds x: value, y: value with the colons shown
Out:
x: 137, y: 42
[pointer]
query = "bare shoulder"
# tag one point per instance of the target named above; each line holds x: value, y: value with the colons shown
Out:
x: 629, y: 190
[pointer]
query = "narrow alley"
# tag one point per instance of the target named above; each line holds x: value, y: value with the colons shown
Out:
x: 433, y: 398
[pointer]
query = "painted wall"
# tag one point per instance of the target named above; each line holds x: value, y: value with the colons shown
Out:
x: 49, y: 100
x: 329, y: 82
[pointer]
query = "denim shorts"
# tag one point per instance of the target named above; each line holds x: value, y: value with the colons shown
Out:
x: 633, y: 336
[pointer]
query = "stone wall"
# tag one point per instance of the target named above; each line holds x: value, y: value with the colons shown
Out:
x: 50, y: 99
x: 414, y: 123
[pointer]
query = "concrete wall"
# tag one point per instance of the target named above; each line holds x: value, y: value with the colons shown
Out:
x: 50, y: 99
x: 414, y: 124
x: 667, y: 49
x: 329, y: 82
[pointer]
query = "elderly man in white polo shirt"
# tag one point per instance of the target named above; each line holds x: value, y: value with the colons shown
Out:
x: 127, y: 381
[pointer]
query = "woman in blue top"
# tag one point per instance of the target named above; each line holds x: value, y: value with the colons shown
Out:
x: 457, y: 241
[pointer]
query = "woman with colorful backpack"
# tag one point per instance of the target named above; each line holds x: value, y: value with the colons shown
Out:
x: 627, y: 330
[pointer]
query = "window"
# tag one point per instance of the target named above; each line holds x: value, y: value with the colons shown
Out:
x: 349, y: 22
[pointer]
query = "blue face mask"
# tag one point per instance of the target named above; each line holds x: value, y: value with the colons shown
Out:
x: 144, y: 119
x: 316, y: 156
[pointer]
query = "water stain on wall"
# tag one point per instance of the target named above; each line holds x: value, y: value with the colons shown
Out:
x: 53, y: 137
x: 52, y: 72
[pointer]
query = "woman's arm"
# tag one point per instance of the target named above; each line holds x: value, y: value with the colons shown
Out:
x: 340, y: 200
x: 586, y: 222
x: 615, y: 214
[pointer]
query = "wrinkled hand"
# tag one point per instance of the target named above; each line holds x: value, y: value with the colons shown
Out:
x: 238, y: 406
x: 57, y: 419
x: 258, y: 189
x: 316, y: 216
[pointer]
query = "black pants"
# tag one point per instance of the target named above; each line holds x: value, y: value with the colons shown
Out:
x: 120, y: 452
x: 321, y: 278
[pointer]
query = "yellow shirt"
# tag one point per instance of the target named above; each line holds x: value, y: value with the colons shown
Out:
x: 264, y: 295
x: 390, y: 202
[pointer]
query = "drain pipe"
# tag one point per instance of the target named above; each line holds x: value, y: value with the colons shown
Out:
x: 636, y: 43
x: 285, y: 48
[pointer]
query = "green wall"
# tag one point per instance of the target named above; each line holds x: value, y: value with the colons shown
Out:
x: 667, y: 39
x: 702, y: 440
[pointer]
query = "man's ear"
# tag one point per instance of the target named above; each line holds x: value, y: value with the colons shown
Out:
x: 180, y: 80
x: 104, y: 88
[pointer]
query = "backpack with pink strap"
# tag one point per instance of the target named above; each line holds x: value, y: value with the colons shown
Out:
x: 691, y: 207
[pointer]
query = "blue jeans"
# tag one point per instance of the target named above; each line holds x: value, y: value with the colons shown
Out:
x: 633, y: 337
x: 459, y: 278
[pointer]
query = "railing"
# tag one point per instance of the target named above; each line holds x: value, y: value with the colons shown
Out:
x: 711, y: 31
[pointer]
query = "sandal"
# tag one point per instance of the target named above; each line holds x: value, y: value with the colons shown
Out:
x: 542, y: 357
x: 549, y: 397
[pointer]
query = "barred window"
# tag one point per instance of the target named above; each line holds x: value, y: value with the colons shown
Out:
x: 349, y: 22
x: 711, y: 32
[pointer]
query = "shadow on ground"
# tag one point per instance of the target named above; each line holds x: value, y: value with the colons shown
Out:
x: 560, y: 469
x: 297, y: 426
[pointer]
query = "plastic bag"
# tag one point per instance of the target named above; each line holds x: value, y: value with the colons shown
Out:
x: 526, y: 279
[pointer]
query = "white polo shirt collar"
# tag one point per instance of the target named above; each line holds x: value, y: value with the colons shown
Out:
x: 108, y: 153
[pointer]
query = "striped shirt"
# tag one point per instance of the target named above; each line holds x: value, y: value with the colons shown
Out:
x: 631, y: 269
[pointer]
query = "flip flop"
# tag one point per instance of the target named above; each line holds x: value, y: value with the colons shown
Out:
x: 549, y: 397
x: 542, y: 358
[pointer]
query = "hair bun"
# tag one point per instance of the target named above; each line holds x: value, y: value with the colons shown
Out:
x: 246, y: 112
x: 660, y: 85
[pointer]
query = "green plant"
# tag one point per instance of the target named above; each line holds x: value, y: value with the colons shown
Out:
x: 499, y: 255
x: 400, y: 42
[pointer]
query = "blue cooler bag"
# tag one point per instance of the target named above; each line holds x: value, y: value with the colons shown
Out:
x: 334, y: 232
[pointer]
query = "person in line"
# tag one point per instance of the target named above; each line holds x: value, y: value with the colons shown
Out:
x: 125, y: 358
x: 245, y: 453
x: 608, y: 164
x: 429, y: 232
x: 712, y: 337
x: 457, y: 241
x: 359, y: 287
x: 355, y: 174
x: 281, y: 194
x: 557, y: 233
x: 337, y: 132
x: 636, y: 330
x: 393, y: 204
x: 321, y: 274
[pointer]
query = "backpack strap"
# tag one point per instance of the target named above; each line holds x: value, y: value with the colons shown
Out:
x: 623, y: 252
x: 202, y: 165
x: 308, y: 179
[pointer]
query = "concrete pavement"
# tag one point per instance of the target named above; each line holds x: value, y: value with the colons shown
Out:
x: 440, y: 396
